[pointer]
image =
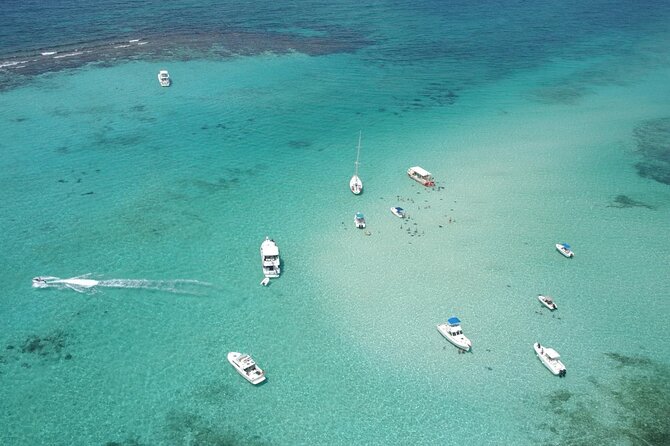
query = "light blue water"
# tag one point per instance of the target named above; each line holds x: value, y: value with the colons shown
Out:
x: 533, y: 133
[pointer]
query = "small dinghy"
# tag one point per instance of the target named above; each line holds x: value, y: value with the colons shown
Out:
x: 547, y: 301
x: 265, y: 282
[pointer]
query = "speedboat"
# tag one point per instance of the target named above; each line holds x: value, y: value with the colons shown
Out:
x: 421, y: 175
x: 164, y: 78
x: 398, y: 212
x: 454, y: 334
x: 564, y: 249
x: 550, y: 358
x: 359, y: 220
x: 270, y: 258
x: 42, y: 281
x: 246, y: 367
x: 79, y: 284
x: 547, y: 301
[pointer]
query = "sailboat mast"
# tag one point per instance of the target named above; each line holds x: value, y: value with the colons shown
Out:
x: 358, y: 152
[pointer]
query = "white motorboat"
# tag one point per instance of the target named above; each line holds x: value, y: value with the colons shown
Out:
x: 356, y: 184
x: 246, y: 367
x: 398, y: 212
x: 550, y: 358
x: 547, y: 301
x: 270, y: 258
x: 164, y: 78
x: 359, y: 220
x: 421, y: 175
x: 454, y: 334
x: 564, y: 249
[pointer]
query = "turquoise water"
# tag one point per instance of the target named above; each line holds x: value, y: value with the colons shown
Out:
x: 533, y: 140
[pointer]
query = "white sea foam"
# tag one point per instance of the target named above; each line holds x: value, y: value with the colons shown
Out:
x: 49, y: 53
x: 12, y: 64
x: 76, y: 53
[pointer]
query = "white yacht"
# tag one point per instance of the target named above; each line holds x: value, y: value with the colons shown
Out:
x: 246, y: 367
x: 550, y: 358
x: 398, y: 212
x: 547, y: 301
x: 454, y: 334
x: 421, y: 175
x: 356, y: 184
x: 359, y: 220
x: 270, y: 258
x: 564, y: 249
x: 164, y: 78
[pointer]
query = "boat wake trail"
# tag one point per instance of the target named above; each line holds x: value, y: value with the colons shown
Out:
x: 84, y: 284
x: 178, y: 286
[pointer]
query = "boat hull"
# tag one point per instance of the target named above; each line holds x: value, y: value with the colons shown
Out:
x: 398, y: 212
x: 551, y: 306
x: 459, y: 341
x: 565, y: 251
x: 232, y: 358
x: 555, y: 367
x: 356, y: 185
x: 270, y: 260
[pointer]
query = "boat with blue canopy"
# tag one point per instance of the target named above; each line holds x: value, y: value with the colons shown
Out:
x: 398, y: 212
x: 454, y: 333
x: 359, y: 220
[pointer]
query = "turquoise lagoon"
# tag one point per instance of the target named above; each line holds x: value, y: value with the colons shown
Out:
x: 104, y: 172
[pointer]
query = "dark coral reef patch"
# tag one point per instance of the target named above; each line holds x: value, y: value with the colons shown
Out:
x: 632, y: 409
x: 624, y: 201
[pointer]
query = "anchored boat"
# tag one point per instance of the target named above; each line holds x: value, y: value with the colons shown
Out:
x: 454, y: 333
x: 421, y: 175
x: 359, y: 220
x: 550, y: 359
x: 270, y: 258
x: 547, y: 301
x: 246, y: 367
x: 564, y: 249
x: 164, y: 78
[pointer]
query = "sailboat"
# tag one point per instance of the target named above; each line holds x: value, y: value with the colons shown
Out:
x: 355, y: 184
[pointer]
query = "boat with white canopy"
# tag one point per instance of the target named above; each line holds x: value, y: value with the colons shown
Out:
x: 164, y: 78
x: 246, y: 367
x: 550, y: 358
x: 421, y: 175
x: 270, y: 258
